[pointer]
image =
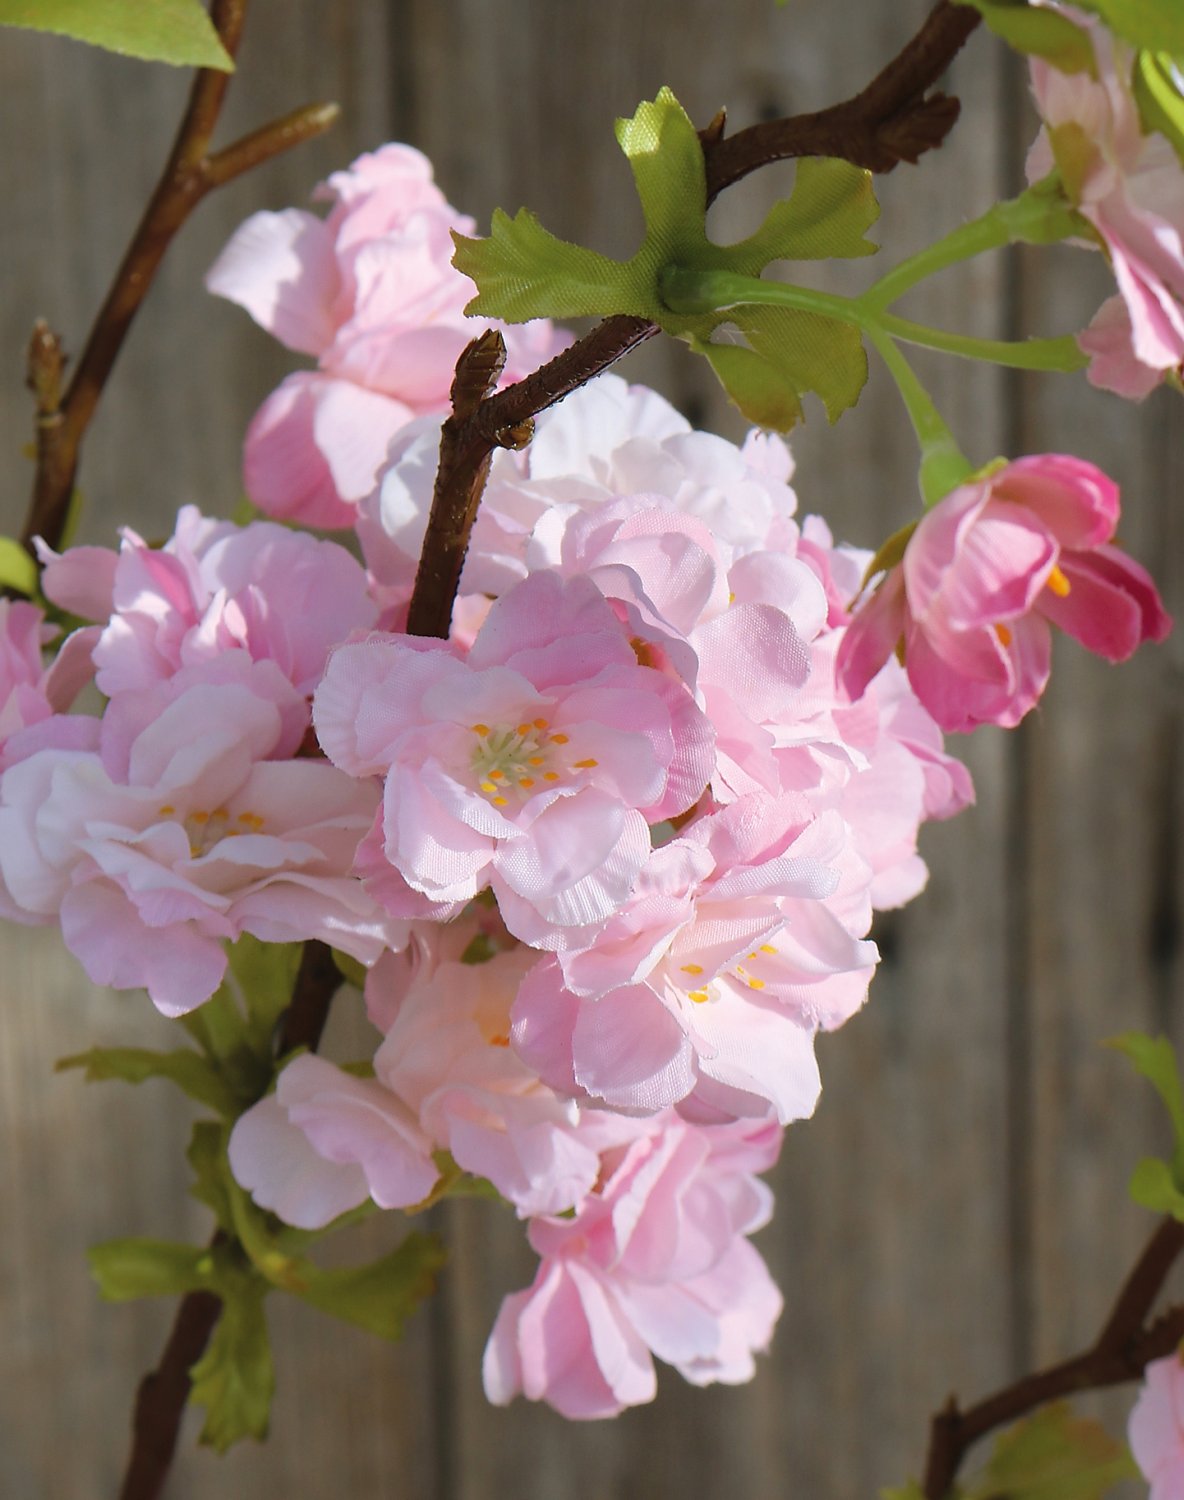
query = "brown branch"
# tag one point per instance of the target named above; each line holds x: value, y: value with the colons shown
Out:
x: 893, y: 119
x: 317, y: 980
x: 162, y: 1395
x: 1120, y: 1353
x: 189, y: 174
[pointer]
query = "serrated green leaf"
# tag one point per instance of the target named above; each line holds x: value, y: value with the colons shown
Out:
x: 827, y: 215
x: 1053, y: 1455
x: 1038, y: 33
x: 129, y: 1268
x: 1152, y: 1186
x: 1157, y: 25
x: 522, y: 271
x: 381, y: 1296
x: 172, y: 31
x: 235, y: 1378
x: 192, y: 1074
x: 1155, y: 1060
x: 1161, y: 105
x: 17, y: 569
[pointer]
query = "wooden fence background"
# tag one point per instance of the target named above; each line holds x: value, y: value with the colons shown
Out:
x: 956, y: 1210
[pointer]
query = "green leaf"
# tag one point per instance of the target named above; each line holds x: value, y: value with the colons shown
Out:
x: 130, y: 1268
x: 1038, y: 32
x: 1155, y: 1059
x: 350, y: 969
x: 1053, y: 1456
x: 192, y: 1074
x: 172, y: 31
x: 260, y: 977
x: 235, y: 1379
x: 522, y: 271
x: 381, y: 1296
x: 1153, y: 1186
x: 1157, y: 25
x: 1158, y: 96
x: 17, y: 569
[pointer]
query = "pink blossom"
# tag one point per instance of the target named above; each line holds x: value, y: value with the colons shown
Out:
x: 532, y: 765
x: 30, y: 692
x: 606, y: 441
x: 371, y: 293
x: 706, y: 990
x: 326, y: 1141
x: 276, y: 594
x: 1156, y: 1430
x: 1130, y: 187
x: 654, y: 1263
x: 986, y: 572
x: 178, y: 833
x: 447, y: 1055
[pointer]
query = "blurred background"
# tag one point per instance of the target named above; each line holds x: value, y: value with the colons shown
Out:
x: 957, y: 1209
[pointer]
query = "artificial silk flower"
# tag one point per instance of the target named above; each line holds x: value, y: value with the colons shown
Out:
x: 1156, y: 1429
x: 984, y: 575
x: 371, y: 293
x: 1129, y: 186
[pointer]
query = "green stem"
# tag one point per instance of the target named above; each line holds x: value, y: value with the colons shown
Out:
x: 943, y: 464
x: 1038, y: 216
x: 1061, y: 354
x: 687, y: 291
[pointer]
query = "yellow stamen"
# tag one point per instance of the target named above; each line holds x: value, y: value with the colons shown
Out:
x: 692, y: 968
x: 167, y: 810
x: 698, y: 996
x: 1004, y: 634
x: 199, y: 817
x: 488, y: 786
x: 768, y: 948
x: 756, y: 984
x: 481, y: 729
x: 585, y: 765
x: 534, y: 760
x: 497, y: 775
x: 540, y: 723
x: 526, y: 781
x: 550, y: 775
x: 499, y: 801
x: 1058, y: 583
x: 560, y: 739
x: 499, y: 1041
x: 524, y: 729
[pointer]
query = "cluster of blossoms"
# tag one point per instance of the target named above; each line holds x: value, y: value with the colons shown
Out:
x: 609, y: 854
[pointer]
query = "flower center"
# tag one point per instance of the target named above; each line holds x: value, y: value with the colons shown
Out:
x: 519, y: 759
x: 742, y: 973
x: 205, y: 829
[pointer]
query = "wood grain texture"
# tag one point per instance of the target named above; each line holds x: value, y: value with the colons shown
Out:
x: 956, y: 1206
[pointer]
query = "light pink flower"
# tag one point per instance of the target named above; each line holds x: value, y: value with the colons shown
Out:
x: 740, y: 942
x: 655, y: 1262
x: 30, y: 692
x: 276, y: 594
x: 371, y: 293
x: 1156, y: 1430
x: 326, y: 1141
x: 533, y: 765
x: 1130, y: 186
x: 986, y: 572
x: 179, y: 833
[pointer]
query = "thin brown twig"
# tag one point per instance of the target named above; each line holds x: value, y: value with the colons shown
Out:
x: 893, y: 119
x: 1120, y: 1353
x: 189, y: 174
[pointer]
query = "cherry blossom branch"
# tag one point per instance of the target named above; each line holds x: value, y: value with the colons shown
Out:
x: 189, y: 174
x: 894, y: 119
x: 162, y: 1395
x: 1121, y: 1352
x: 164, y: 1392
